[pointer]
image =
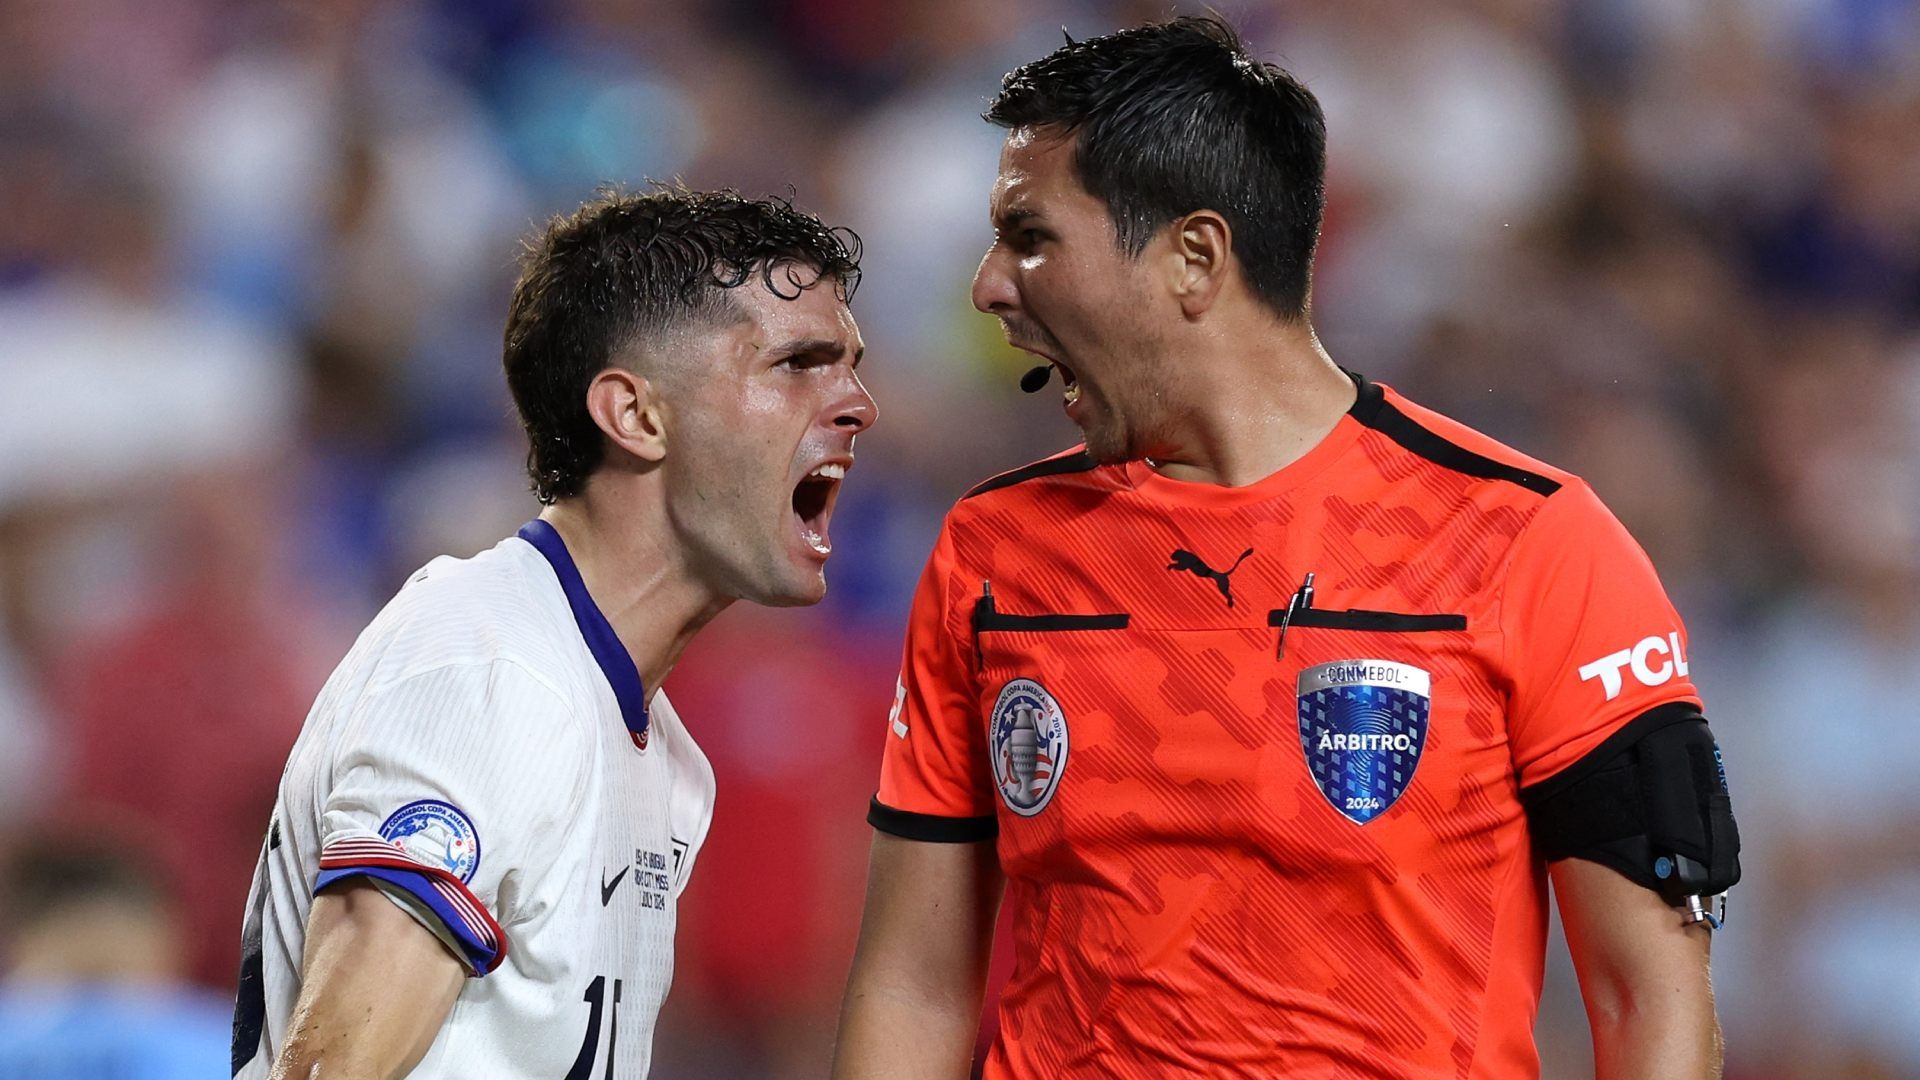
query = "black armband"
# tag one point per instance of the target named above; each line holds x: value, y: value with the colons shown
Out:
x: 1650, y: 802
x: 933, y: 828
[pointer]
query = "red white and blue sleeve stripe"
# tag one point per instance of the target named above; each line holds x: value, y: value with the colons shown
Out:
x: 465, y: 917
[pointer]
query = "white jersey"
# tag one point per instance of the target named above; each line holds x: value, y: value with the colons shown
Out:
x: 486, y: 757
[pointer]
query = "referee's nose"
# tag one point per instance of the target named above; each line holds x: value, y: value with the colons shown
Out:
x: 993, y: 290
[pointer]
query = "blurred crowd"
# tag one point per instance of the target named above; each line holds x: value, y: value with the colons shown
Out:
x: 254, y: 259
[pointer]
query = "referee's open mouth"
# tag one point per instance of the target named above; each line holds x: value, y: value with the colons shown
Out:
x: 1070, y: 384
x: 813, y: 499
x: 1031, y: 340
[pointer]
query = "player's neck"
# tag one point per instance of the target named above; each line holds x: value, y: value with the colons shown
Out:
x: 639, y: 581
x: 1238, y: 415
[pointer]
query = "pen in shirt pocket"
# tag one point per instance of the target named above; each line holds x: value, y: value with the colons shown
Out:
x: 1302, y: 599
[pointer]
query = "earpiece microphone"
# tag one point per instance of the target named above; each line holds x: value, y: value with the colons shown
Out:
x: 1033, y: 380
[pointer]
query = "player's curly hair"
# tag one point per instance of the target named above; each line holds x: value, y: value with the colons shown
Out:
x: 625, y: 267
x: 1176, y: 117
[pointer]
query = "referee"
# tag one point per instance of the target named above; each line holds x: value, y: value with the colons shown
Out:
x: 1271, y: 711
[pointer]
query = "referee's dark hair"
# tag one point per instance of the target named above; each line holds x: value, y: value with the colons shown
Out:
x: 1175, y: 117
x: 628, y: 267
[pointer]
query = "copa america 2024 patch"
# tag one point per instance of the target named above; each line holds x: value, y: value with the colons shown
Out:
x: 436, y: 834
x: 1363, y: 724
x: 1028, y: 736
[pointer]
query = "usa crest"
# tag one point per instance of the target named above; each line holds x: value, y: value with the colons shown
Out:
x: 1028, y: 736
x: 1363, y: 724
x: 436, y: 834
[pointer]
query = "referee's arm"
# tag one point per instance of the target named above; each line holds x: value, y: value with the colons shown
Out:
x: 1643, y: 973
x: 376, y: 986
x: 912, y: 1009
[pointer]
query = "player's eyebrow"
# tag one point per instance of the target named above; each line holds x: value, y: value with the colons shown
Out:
x: 824, y: 348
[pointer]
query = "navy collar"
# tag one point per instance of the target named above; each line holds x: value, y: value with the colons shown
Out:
x: 612, y: 656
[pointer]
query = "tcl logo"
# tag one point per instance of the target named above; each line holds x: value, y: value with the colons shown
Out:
x: 899, y: 702
x: 1640, y: 661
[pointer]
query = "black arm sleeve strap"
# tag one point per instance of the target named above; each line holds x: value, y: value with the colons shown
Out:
x: 1651, y: 802
x: 931, y: 827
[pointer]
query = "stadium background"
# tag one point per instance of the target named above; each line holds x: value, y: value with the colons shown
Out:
x: 253, y: 265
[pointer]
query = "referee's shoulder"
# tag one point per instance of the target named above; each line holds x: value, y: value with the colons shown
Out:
x: 1440, y: 442
x: 1015, y: 500
x: 1070, y: 467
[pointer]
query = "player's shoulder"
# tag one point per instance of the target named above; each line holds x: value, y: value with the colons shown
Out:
x: 491, y: 608
x: 1436, y: 441
x: 483, y: 646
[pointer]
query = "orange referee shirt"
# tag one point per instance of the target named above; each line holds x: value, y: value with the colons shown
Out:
x: 1237, y: 848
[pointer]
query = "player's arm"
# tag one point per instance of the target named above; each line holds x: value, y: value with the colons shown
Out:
x: 448, y: 784
x: 912, y: 1008
x: 1643, y: 974
x: 376, y: 987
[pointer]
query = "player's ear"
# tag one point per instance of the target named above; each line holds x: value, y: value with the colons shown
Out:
x: 627, y: 409
x: 1197, y: 262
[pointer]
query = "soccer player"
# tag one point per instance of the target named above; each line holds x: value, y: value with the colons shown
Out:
x: 1274, y: 707
x: 485, y: 826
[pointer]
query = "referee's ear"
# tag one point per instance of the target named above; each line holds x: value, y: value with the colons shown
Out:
x: 1197, y: 261
x: 627, y: 409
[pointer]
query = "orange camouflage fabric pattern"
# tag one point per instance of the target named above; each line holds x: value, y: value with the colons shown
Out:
x: 1187, y: 899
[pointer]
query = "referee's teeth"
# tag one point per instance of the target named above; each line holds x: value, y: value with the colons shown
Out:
x: 829, y: 471
x: 1072, y: 392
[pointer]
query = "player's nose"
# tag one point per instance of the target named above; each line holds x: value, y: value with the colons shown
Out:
x: 856, y: 411
x: 993, y: 288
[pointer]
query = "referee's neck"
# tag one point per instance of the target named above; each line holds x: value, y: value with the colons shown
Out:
x: 1246, y: 401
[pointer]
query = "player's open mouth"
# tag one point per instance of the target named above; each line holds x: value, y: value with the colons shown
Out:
x: 813, y: 500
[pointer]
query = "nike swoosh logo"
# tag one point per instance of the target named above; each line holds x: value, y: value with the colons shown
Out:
x: 607, y: 887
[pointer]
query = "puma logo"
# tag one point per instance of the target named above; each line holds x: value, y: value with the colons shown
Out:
x: 1193, y: 564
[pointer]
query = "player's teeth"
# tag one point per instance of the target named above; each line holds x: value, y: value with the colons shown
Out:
x: 815, y: 541
x: 830, y: 472
x: 1073, y: 392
